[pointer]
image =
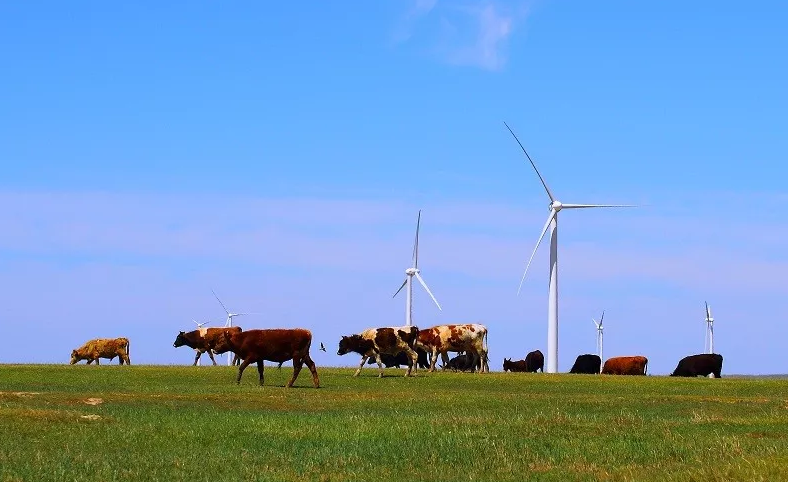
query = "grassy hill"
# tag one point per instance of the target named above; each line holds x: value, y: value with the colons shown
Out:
x: 144, y: 423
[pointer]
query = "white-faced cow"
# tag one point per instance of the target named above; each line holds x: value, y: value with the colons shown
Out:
x: 205, y: 340
x: 276, y: 345
x: 470, y: 338
x: 389, y: 340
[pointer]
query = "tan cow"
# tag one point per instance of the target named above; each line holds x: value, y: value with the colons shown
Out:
x: 102, y: 348
x: 625, y: 365
x: 470, y: 338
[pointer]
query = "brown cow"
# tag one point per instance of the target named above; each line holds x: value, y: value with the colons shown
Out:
x: 470, y: 338
x: 102, y: 348
x: 206, y: 340
x: 375, y: 342
x: 276, y: 345
x: 625, y: 365
x: 514, y: 366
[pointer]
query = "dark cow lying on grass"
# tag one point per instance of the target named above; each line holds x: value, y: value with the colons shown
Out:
x: 588, y: 363
x: 401, y: 359
x: 276, y: 345
x: 102, y: 348
x: 378, y: 341
x: 204, y: 340
x: 514, y: 366
x: 463, y: 363
x: 625, y: 365
x: 699, y: 365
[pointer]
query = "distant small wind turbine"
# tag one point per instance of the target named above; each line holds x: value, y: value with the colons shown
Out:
x: 409, y: 274
x: 552, y: 223
x: 599, y: 335
x: 229, y: 322
x: 708, y: 344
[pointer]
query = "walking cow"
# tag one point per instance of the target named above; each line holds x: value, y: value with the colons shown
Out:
x: 204, y: 340
x: 102, y: 348
x: 587, y: 363
x: 276, y: 345
x: 625, y: 365
x: 375, y: 342
x: 695, y: 365
x: 470, y: 338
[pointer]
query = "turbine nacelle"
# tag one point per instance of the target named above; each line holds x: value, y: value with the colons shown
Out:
x: 556, y: 206
x: 412, y: 271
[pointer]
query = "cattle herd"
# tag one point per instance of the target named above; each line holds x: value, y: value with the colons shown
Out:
x: 390, y: 346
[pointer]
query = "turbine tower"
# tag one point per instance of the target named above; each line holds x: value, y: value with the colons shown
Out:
x: 599, y: 336
x: 409, y: 274
x: 708, y: 344
x: 552, y: 223
x: 228, y: 323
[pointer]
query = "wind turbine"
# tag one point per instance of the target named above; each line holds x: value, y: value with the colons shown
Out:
x: 409, y: 274
x: 708, y: 343
x: 552, y: 223
x: 229, y: 322
x: 599, y: 335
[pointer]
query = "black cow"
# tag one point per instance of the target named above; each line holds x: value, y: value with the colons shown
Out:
x: 466, y: 362
x: 534, y: 361
x: 695, y: 365
x: 401, y: 359
x: 587, y: 364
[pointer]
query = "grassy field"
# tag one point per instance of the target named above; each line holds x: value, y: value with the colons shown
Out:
x: 140, y: 423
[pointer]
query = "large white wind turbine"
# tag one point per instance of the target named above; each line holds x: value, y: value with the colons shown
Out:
x: 552, y: 222
x: 599, y: 336
x: 708, y: 343
x: 409, y: 274
x: 229, y: 322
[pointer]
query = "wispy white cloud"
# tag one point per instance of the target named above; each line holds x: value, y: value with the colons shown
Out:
x: 472, y: 34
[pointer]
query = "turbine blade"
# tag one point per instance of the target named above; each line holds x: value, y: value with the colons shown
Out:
x: 220, y: 302
x: 421, y: 280
x: 580, y: 206
x: 603, y: 318
x: 415, y: 258
x: 401, y: 286
x: 549, y: 194
x: 544, y: 230
x: 708, y: 311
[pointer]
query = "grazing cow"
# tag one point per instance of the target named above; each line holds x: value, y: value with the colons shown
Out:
x: 470, y: 338
x: 276, y: 345
x: 514, y: 366
x: 625, y: 365
x: 102, y: 348
x: 703, y: 365
x: 401, y: 359
x: 534, y: 361
x: 378, y: 341
x: 587, y: 363
x: 204, y: 340
x: 464, y: 363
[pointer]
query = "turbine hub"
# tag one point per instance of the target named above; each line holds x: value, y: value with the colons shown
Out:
x: 556, y: 205
x: 411, y: 271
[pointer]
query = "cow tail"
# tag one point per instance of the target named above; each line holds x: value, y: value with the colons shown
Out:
x: 645, y: 368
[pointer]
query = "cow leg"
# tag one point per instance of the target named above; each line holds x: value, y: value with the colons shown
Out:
x: 413, y: 361
x: 298, y: 363
x: 260, y: 368
x: 363, y: 361
x: 196, y: 357
x: 210, y: 354
x: 380, y: 364
x: 445, y: 358
x: 97, y: 362
x: 433, y: 359
x: 241, y: 370
x: 312, y: 368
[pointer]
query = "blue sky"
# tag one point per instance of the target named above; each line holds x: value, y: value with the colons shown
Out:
x: 279, y: 154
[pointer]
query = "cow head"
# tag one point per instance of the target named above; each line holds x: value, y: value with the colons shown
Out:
x: 344, y: 345
x: 506, y: 363
x: 180, y: 340
x: 74, y: 357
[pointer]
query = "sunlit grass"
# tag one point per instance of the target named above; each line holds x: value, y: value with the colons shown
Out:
x: 194, y: 423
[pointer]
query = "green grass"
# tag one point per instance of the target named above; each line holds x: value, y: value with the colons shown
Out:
x: 195, y: 424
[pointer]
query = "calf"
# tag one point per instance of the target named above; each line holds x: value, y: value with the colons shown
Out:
x: 378, y: 341
x: 625, y: 365
x: 102, y: 348
x: 401, y: 358
x: 703, y: 365
x: 465, y: 362
x: 534, y: 361
x: 588, y: 363
x: 276, y: 345
x: 204, y: 340
x: 470, y: 338
x: 514, y: 366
